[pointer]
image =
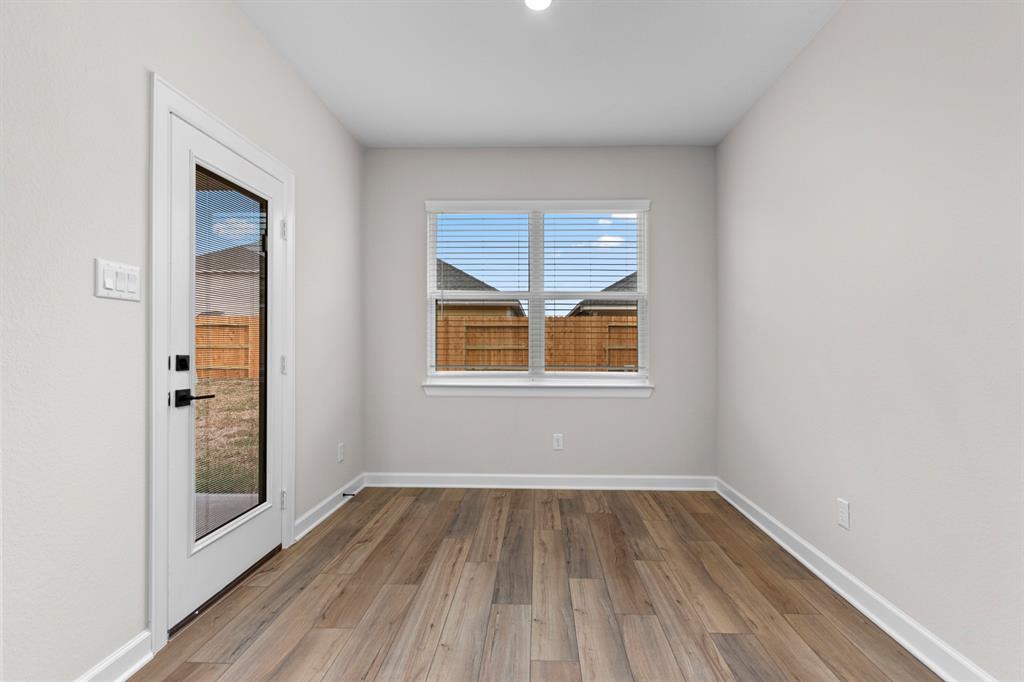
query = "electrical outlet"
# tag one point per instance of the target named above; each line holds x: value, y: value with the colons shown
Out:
x: 843, y: 508
x: 341, y: 452
x: 557, y: 442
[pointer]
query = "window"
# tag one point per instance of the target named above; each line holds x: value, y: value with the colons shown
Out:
x: 546, y: 294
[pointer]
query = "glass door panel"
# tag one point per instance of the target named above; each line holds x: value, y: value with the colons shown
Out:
x: 230, y: 306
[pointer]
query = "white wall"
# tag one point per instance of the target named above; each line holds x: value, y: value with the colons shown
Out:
x: 870, y: 322
x: 75, y: 176
x: 670, y: 433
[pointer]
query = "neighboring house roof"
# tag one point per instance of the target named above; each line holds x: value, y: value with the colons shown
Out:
x: 242, y: 259
x: 453, y: 278
x: 627, y: 283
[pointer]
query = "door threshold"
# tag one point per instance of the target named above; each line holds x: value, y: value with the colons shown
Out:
x: 227, y: 588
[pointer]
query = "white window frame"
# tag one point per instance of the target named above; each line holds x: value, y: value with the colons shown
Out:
x: 535, y: 381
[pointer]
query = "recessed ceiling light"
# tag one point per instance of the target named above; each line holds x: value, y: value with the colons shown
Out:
x: 538, y: 5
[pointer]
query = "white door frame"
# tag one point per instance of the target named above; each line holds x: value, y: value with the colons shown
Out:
x: 167, y: 103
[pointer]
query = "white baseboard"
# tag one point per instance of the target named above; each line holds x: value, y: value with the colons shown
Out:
x: 591, y: 482
x: 943, y: 659
x: 327, y: 506
x: 124, y: 662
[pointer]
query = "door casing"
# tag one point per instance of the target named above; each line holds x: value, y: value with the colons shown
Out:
x: 167, y: 102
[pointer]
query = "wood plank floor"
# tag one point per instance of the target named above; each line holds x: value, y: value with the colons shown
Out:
x: 451, y: 584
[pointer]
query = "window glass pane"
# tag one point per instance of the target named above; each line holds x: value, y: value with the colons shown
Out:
x: 485, y: 335
x: 230, y: 362
x: 590, y: 336
x: 483, y: 252
x: 590, y: 252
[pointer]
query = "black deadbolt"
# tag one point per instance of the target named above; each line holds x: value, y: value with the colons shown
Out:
x: 181, y: 363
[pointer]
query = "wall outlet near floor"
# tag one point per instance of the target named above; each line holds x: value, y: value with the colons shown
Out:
x: 341, y: 452
x: 557, y: 442
x: 843, y: 511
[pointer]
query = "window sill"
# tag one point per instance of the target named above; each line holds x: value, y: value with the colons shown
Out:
x: 537, y: 388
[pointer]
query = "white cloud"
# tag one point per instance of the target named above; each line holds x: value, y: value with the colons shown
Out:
x: 603, y: 221
x: 624, y: 216
x: 235, y: 228
x: 608, y: 240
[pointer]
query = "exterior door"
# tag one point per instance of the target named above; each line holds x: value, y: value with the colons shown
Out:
x: 225, y: 473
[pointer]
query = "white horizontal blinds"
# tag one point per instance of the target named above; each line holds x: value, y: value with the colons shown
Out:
x: 590, y: 252
x: 591, y: 336
x: 483, y: 335
x: 483, y: 252
x: 578, y: 282
x: 592, y: 282
x: 229, y: 359
x: 477, y: 260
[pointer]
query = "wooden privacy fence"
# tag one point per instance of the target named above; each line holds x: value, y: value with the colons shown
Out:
x: 601, y: 343
x: 227, y: 347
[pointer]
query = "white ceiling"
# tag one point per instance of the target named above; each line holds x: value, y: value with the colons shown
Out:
x: 429, y: 73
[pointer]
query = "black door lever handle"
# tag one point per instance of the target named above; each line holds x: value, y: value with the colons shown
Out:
x: 183, y: 397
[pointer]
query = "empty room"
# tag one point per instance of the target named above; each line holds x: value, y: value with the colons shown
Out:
x: 512, y: 340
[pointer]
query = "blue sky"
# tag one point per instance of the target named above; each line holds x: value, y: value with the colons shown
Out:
x: 582, y: 252
x: 225, y: 219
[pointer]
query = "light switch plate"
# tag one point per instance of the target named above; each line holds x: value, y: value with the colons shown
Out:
x: 117, y: 280
x: 843, y: 513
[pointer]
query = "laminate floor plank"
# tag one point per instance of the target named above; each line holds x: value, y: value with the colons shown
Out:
x: 197, y: 672
x: 490, y: 532
x: 521, y: 499
x: 514, y: 584
x: 714, y: 607
x: 594, y: 502
x: 697, y: 502
x: 430, y: 495
x: 468, y: 517
x: 496, y: 585
x: 628, y: 594
x: 312, y: 656
x: 784, y: 645
x: 555, y: 671
x: 694, y: 649
x: 880, y: 648
x: 748, y: 659
x: 365, y: 649
x: 357, y: 510
x: 350, y: 603
x: 226, y: 645
x: 507, y: 644
x: 413, y: 648
x: 461, y: 647
x: 784, y: 563
x: 370, y: 535
x: 580, y: 551
x: 638, y: 540
x: 196, y: 634
x: 847, y: 661
x: 646, y: 505
x: 776, y: 589
x: 553, y: 634
x: 286, y: 631
x: 417, y: 557
x: 547, y: 515
x: 453, y: 494
x: 682, y: 520
x: 650, y: 656
x: 602, y: 656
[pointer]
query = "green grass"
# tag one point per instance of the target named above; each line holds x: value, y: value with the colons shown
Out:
x: 227, y: 436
